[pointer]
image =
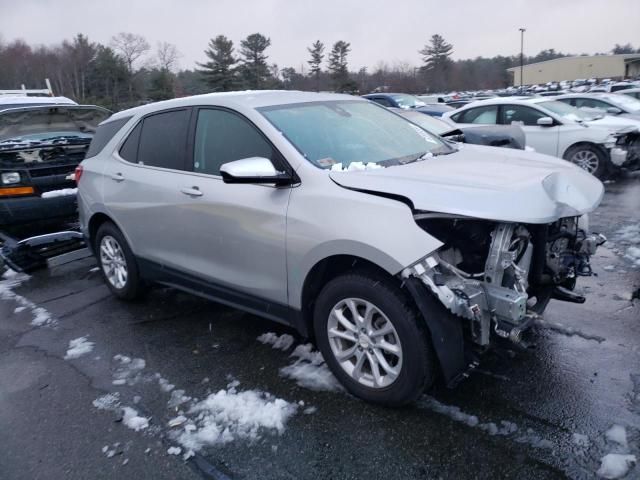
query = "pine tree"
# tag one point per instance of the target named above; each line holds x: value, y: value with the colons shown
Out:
x: 317, y: 55
x: 220, y: 71
x: 338, y: 65
x: 255, y: 70
x: 437, y: 63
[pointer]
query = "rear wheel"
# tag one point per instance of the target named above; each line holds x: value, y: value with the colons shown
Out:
x: 373, y: 340
x: 589, y: 158
x: 117, y: 263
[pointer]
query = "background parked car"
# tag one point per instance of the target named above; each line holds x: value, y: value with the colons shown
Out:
x: 405, y: 101
x: 632, y: 92
x: 548, y: 131
x: 509, y: 136
x: 608, y: 103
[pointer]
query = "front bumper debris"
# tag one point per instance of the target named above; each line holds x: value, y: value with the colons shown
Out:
x: 34, y: 253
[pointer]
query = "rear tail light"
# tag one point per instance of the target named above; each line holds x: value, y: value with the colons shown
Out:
x: 12, y: 191
x: 77, y: 174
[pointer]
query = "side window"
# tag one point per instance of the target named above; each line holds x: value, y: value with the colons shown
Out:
x: 223, y: 137
x: 104, y: 133
x: 483, y: 115
x: 521, y: 115
x: 163, y: 140
x: 129, y: 149
x: 591, y: 103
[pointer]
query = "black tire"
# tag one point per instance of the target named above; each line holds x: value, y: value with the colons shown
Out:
x: 417, y: 370
x: 603, y: 166
x: 133, y: 287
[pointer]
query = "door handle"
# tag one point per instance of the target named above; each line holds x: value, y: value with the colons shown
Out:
x: 117, y: 177
x: 192, y: 192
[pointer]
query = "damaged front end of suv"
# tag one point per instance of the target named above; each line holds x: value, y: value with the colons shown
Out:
x: 500, y: 276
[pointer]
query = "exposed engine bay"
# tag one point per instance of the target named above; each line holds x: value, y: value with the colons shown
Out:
x: 500, y: 276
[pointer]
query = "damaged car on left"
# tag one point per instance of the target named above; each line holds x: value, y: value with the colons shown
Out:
x: 40, y: 148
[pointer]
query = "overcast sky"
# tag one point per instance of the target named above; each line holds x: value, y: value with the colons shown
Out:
x: 378, y: 30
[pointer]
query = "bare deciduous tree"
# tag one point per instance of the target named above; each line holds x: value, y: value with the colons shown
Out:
x: 167, y: 55
x: 130, y: 47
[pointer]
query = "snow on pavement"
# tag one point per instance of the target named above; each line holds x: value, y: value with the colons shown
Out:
x: 616, y: 465
x: 10, y: 280
x: 128, y: 370
x: 230, y: 414
x: 309, y: 370
x: 132, y: 420
x: 78, y: 347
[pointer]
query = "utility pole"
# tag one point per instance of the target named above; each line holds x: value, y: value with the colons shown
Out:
x: 522, y: 30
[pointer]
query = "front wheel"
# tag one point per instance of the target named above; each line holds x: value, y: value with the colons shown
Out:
x: 373, y: 340
x: 589, y: 158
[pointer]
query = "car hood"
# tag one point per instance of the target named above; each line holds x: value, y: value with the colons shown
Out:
x: 615, y: 124
x: 485, y: 182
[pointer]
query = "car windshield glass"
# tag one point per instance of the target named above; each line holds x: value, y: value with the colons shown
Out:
x: 625, y: 101
x: 345, y: 132
x: 408, y: 101
x: 566, y: 111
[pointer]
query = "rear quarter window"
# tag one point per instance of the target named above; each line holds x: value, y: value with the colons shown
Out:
x: 104, y: 133
x: 163, y: 139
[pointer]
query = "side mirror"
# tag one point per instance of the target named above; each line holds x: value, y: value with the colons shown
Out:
x: 614, y: 111
x: 545, y: 122
x: 256, y: 170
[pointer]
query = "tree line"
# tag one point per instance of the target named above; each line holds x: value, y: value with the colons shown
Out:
x: 128, y: 71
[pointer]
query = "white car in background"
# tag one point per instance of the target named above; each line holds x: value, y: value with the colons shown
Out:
x: 553, y: 128
x: 607, y: 103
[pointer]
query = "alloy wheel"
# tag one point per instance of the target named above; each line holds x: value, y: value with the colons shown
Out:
x: 114, y: 264
x: 365, y: 343
x: 587, y: 160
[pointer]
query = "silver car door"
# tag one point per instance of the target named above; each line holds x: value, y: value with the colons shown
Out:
x: 233, y: 235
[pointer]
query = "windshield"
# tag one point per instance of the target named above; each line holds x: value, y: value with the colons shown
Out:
x: 625, y: 102
x: 408, y: 101
x: 566, y: 111
x: 346, y: 132
x: 49, y: 124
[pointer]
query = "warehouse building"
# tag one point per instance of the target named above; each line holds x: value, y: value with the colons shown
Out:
x: 572, y: 68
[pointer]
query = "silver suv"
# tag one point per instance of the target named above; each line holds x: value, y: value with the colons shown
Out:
x: 402, y: 254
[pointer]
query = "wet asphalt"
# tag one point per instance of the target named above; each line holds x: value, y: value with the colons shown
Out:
x: 582, y: 377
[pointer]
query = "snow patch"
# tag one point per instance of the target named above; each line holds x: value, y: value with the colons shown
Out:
x: 11, y: 280
x: 282, y: 342
x: 132, y: 420
x: 110, y: 401
x: 65, y: 192
x: 174, y: 450
x: 128, y: 370
x: 617, y: 434
x: 338, y: 167
x: 615, y: 465
x: 78, y: 347
x: 229, y: 415
x: 569, y: 331
x: 309, y: 369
